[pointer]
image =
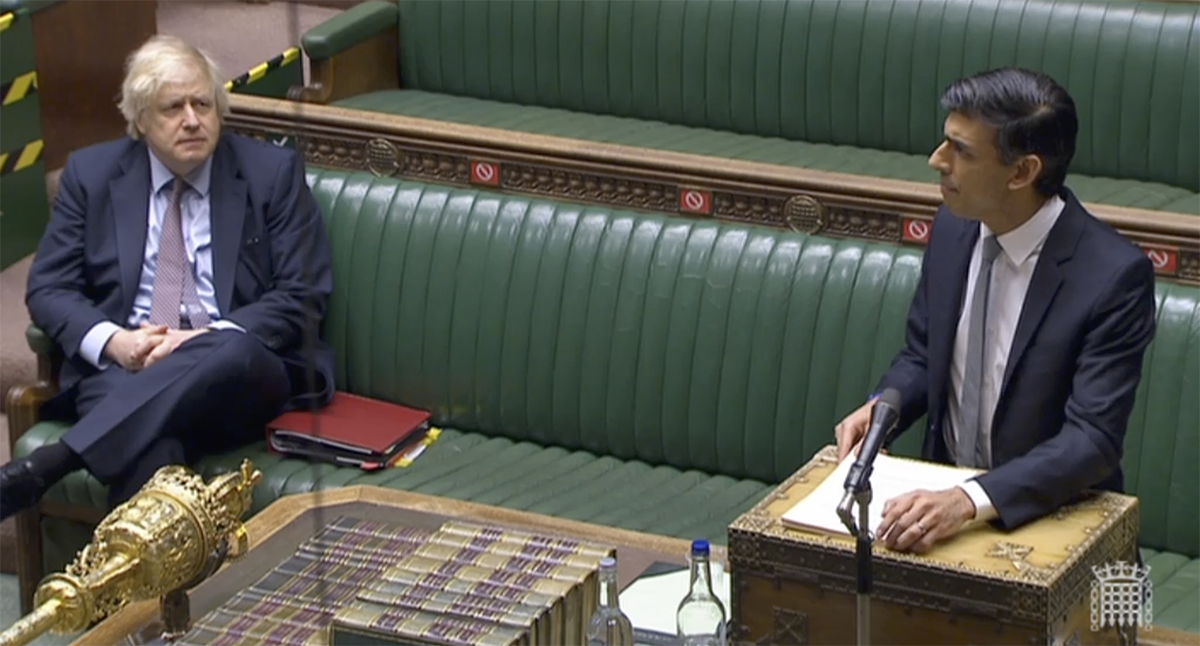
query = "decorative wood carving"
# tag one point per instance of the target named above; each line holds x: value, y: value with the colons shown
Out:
x: 605, y: 189
x: 791, y: 627
x: 383, y: 157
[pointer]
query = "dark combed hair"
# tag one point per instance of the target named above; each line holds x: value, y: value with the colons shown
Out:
x: 1031, y: 113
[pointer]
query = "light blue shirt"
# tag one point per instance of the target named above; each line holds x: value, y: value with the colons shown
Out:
x: 197, y: 242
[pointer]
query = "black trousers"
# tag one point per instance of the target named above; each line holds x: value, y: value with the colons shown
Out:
x: 215, y: 391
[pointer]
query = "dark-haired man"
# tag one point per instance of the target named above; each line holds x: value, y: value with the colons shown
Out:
x: 1026, y: 332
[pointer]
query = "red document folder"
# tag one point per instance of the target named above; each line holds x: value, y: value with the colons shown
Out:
x: 351, y: 430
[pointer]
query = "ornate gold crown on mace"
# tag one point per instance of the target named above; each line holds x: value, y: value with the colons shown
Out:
x: 170, y: 536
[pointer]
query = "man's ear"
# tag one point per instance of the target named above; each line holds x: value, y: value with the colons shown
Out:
x: 1025, y: 172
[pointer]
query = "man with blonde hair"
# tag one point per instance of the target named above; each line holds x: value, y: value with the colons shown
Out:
x: 184, y: 273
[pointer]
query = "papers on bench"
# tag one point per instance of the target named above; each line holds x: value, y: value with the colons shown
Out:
x: 890, y: 477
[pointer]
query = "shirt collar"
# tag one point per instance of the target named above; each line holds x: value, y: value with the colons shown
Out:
x: 1022, y: 241
x: 161, y: 176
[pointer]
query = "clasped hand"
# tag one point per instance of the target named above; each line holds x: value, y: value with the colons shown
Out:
x: 915, y: 521
x: 139, y: 349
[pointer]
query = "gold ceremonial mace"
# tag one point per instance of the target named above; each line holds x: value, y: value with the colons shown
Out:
x: 174, y: 533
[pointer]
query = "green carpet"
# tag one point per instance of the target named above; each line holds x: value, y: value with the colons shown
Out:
x: 10, y: 612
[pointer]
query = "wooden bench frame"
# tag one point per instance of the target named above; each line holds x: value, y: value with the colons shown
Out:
x: 22, y: 405
x: 817, y: 202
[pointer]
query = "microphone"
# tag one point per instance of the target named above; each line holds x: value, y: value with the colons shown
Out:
x: 884, y: 416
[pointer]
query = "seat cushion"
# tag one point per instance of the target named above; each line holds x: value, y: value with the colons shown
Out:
x: 576, y: 485
x: 700, y: 141
x: 1176, y: 587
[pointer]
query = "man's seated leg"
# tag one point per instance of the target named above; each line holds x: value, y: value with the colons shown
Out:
x: 165, y: 451
x: 215, y: 381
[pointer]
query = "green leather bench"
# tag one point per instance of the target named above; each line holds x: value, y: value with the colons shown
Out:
x: 845, y: 86
x: 643, y: 371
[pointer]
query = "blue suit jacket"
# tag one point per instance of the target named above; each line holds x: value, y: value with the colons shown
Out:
x: 1072, y: 373
x: 271, y: 267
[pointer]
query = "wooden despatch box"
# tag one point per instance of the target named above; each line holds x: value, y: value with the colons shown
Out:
x: 1033, y: 585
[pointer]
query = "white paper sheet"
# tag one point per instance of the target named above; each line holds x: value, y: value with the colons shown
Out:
x: 651, y: 602
x: 890, y: 477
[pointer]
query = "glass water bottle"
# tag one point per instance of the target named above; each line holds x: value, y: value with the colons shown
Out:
x: 609, y: 626
x: 701, y: 616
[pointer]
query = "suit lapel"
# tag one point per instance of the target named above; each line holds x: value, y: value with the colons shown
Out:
x: 1044, y: 285
x: 227, y: 211
x: 130, y: 196
x: 943, y: 324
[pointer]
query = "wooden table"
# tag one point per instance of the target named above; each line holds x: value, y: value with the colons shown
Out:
x: 280, y: 528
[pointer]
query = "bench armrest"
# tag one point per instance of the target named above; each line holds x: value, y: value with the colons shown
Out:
x: 355, y: 52
x: 353, y: 26
x: 24, y: 401
x: 49, y: 355
x: 23, y: 404
x: 39, y: 341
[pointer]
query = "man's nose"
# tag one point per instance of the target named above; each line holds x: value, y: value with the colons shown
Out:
x: 190, y: 120
x: 937, y: 159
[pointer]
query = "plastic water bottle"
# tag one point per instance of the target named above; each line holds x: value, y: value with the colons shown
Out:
x: 701, y: 616
x: 609, y: 626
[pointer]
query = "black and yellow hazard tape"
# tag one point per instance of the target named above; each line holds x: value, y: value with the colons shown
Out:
x: 19, y: 160
x: 7, y: 19
x: 258, y: 71
x: 18, y: 88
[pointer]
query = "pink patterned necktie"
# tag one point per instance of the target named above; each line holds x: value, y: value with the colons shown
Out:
x: 174, y: 280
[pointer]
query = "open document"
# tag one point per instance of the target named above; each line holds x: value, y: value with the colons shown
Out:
x: 891, y: 477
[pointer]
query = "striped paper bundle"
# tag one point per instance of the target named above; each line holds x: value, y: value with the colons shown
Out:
x: 544, y: 587
x: 364, y: 623
x: 295, y: 602
x: 484, y: 586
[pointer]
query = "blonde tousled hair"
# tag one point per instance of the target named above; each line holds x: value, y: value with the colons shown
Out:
x: 159, y: 61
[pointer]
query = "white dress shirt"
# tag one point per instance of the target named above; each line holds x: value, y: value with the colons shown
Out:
x: 1011, y: 274
x: 196, y: 223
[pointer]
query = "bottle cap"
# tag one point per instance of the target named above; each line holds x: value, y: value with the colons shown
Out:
x: 700, y: 546
x: 608, y: 562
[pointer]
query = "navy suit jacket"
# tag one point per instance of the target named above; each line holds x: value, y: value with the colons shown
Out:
x: 1072, y: 373
x: 272, y: 271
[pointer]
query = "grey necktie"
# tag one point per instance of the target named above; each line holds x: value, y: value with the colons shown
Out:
x: 174, y: 280
x: 972, y: 447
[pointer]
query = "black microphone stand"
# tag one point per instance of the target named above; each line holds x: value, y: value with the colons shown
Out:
x: 860, y: 494
x: 885, y: 415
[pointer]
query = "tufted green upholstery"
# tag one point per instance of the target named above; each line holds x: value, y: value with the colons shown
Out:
x: 839, y: 85
x: 643, y: 371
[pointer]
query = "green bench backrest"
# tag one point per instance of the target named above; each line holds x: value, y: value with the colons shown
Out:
x: 1163, y: 439
x: 695, y: 343
x: 858, y: 73
x: 685, y: 342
